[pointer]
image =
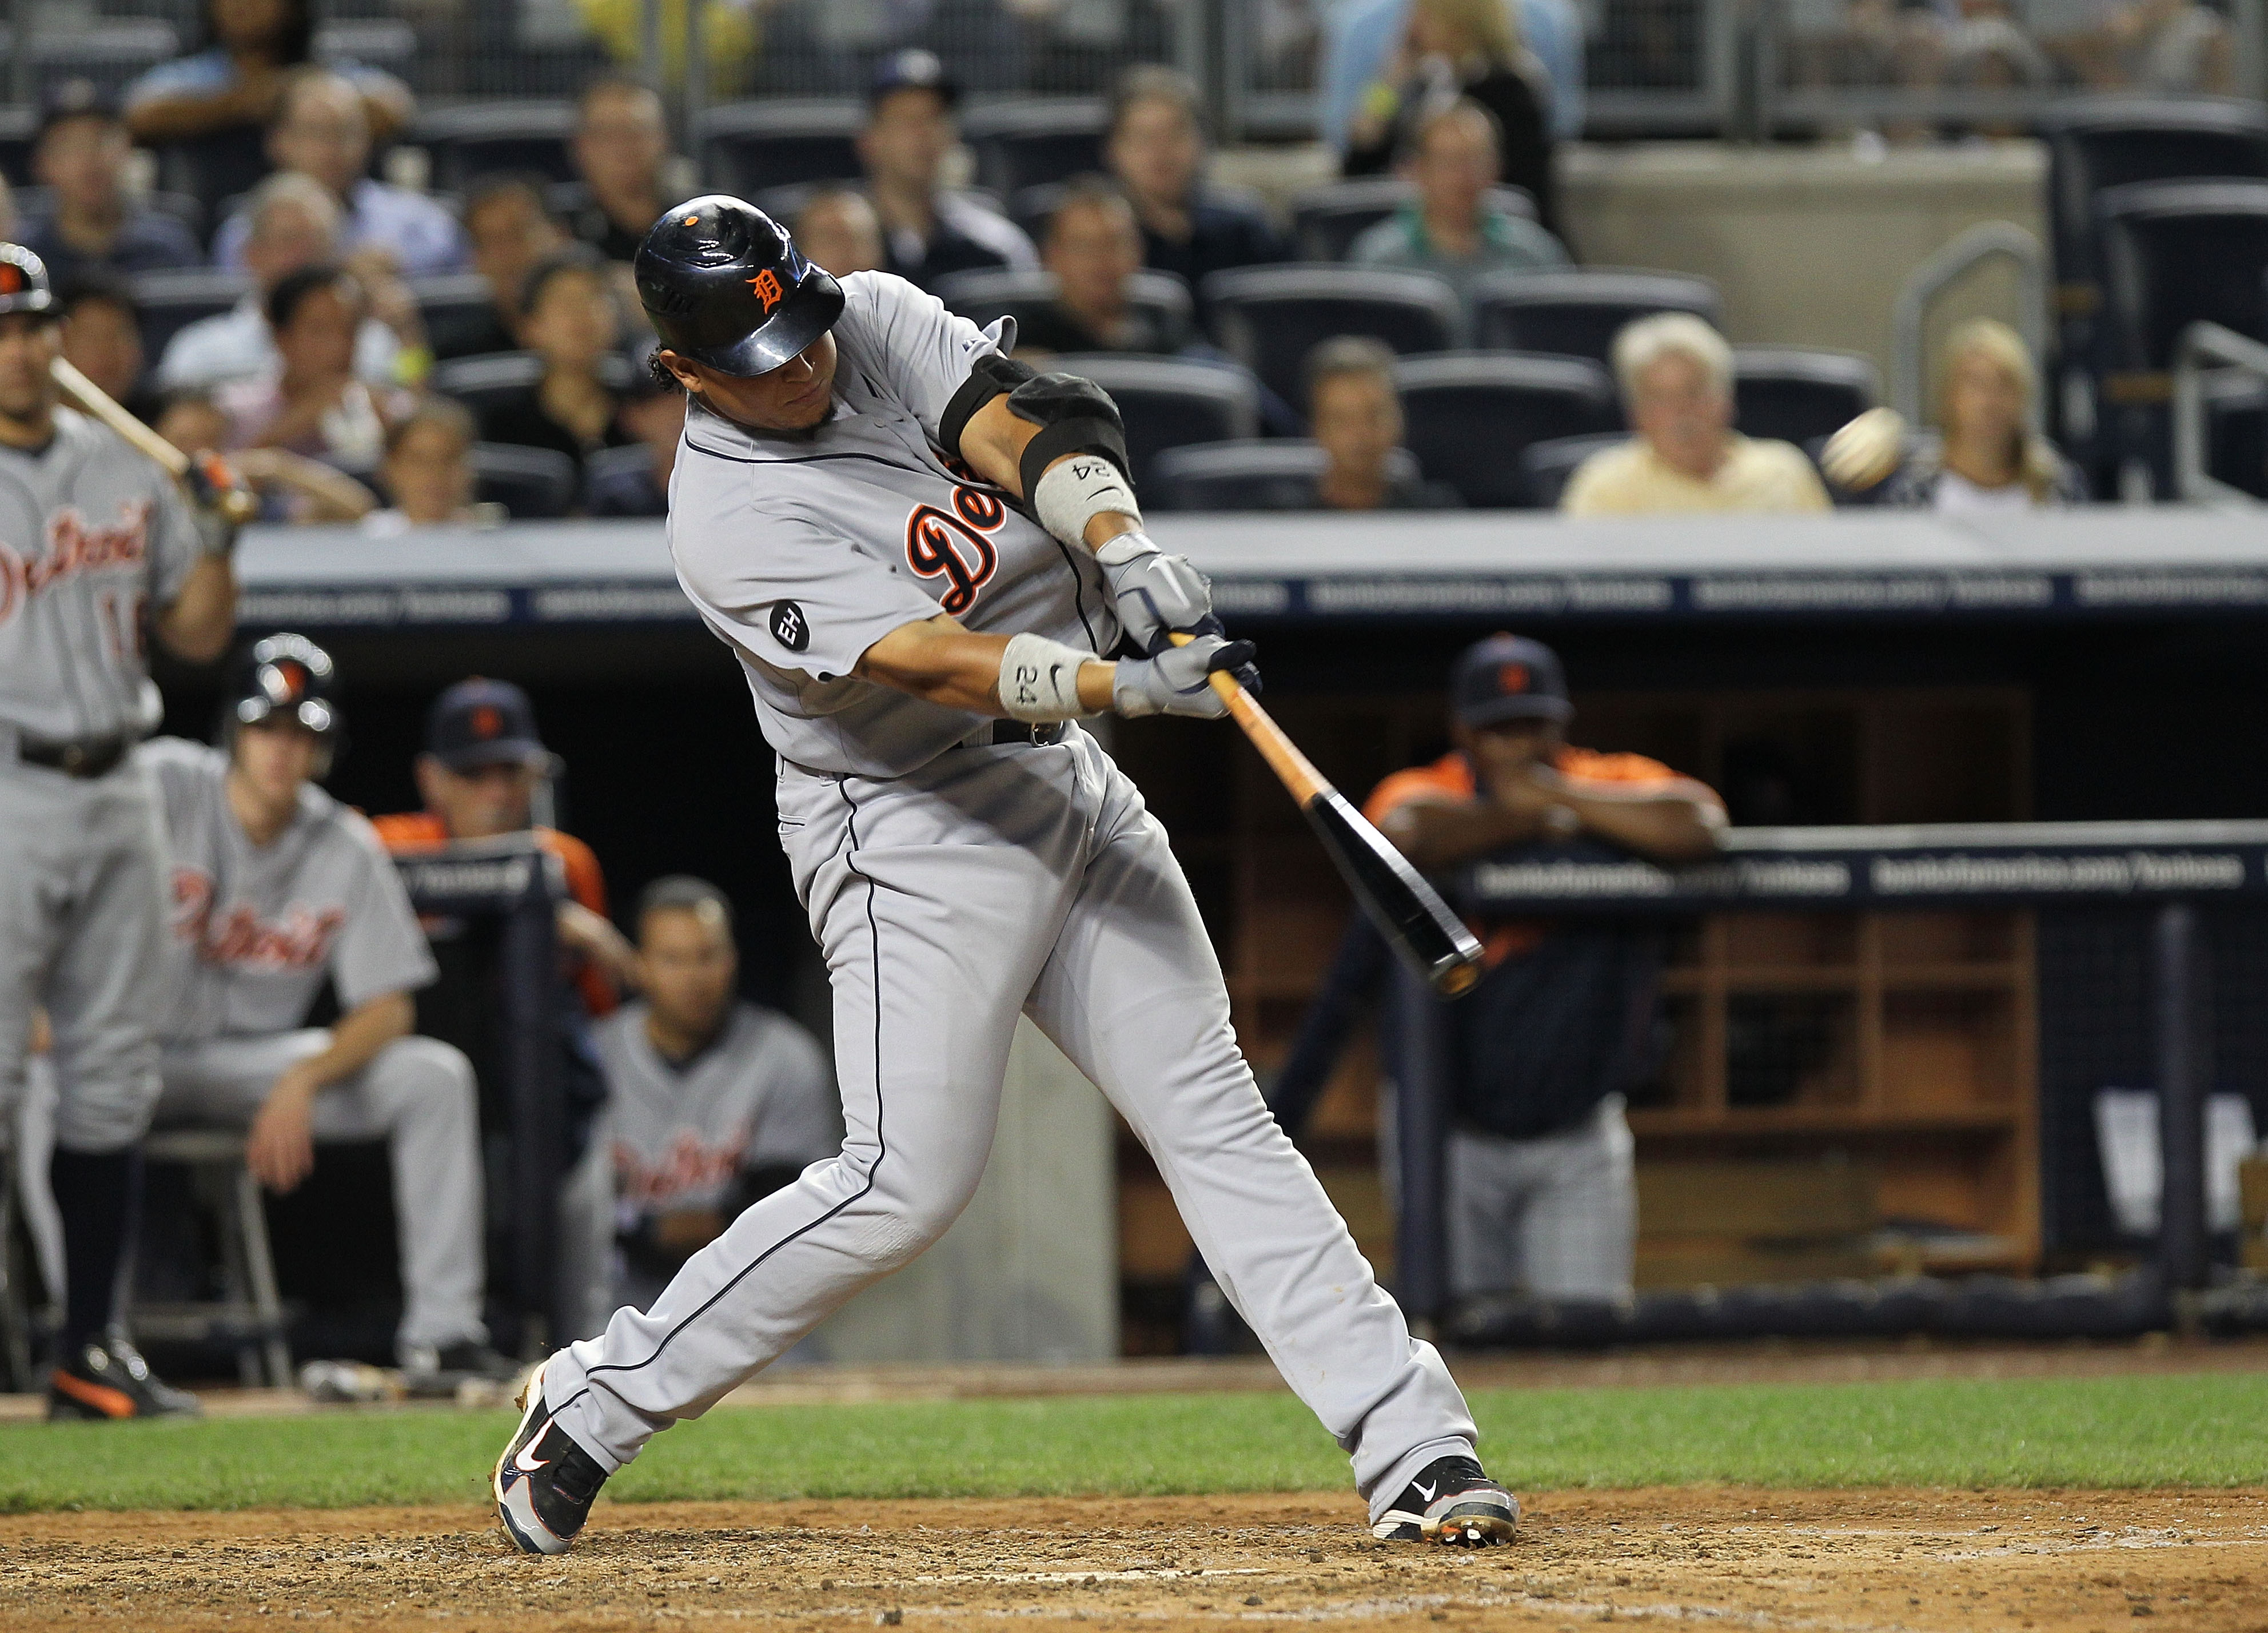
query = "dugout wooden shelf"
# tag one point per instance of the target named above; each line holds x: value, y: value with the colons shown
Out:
x: 1901, y: 1043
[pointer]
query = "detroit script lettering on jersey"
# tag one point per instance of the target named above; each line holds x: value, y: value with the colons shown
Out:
x: 956, y: 545
x: 300, y: 938
x: 74, y: 546
x: 690, y: 1165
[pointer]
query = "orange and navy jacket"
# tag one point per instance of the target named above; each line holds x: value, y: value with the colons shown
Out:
x: 1449, y: 781
x: 409, y: 832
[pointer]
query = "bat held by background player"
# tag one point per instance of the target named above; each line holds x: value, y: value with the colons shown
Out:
x: 207, y: 477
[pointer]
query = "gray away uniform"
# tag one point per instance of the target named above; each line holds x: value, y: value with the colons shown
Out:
x: 951, y: 885
x: 92, y: 537
x: 675, y: 1137
x: 255, y: 929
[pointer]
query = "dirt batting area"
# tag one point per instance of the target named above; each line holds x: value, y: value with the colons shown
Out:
x: 1846, y: 1560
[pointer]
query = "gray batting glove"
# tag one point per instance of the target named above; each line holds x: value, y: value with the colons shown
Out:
x: 1177, y: 680
x: 1153, y: 593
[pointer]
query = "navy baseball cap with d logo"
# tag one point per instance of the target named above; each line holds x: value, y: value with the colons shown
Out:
x: 1509, y: 677
x: 483, y: 723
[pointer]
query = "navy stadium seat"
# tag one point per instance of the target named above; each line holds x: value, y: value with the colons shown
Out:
x: 460, y: 318
x: 533, y: 484
x: 1799, y: 393
x: 1471, y: 415
x: 486, y: 378
x: 166, y: 303
x: 1545, y: 467
x: 1171, y: 402
x: 215, y: 168
x: 1579, y: 312
x: 477, y: 137
x: 18, y: 127
x: 1274, y: 474
x: 1270, y: 318
x: 990, y: 292
x: 746, y: 148
x: 1025, y: 141
x: 1326, y: 220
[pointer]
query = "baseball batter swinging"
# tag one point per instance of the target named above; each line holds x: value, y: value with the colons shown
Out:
x: 923, y: 554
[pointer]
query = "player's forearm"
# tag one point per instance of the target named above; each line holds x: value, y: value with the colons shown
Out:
x: 993, y: 445
x: 1662, y: 827
x: 1436, y: 835
x: 939, y: 662
x: 197, y: 626
x: 357, y: 1037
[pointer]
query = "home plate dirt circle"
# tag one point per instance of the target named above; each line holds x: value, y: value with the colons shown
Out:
x: 1847, y: 1561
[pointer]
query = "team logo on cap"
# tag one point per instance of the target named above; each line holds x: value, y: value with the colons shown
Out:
x: 766, y: 285
x: 284, y: 682
x: 488, y: 721
x: 11, y: 278
x: 1511, y: 678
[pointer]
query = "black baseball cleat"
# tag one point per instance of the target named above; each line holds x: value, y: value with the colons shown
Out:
x: 110, y: 1379
x: 1454, y: 1503
x: 544, y: 1482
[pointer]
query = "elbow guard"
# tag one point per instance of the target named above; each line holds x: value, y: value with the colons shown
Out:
x: 991, y: 375
x: 1074, y: 416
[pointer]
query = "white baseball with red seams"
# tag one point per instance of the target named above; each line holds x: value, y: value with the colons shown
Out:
x: 953, y: 885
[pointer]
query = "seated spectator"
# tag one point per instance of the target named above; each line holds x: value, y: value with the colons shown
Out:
x: 1676, y: 377
x: 322, y: 130
x: 102, y: 339
x: 1451, y: 228
x: 510, y: 226
x: 1094, y: 249
x: 1985, y: 456
x: 837, y: 228
x: 294, y: 224
x: 1462, y: 49
x: 278, y: 891
x: 1357, y: 414
x: 2173, y: 48
x: 291, y: 488
x: 927, y: 229
x: 1361, y: 36
x: 1156, y: 149
x: 91, y: 223
x: 312, y: 403
x: 653, y: 413
x: 713, y: 1104
x: 621, y: 142
x: 235, y: 83
x: 1541, y: 1187
x: 427, y: 471
x: 568, y: 318
x: 478, y: 776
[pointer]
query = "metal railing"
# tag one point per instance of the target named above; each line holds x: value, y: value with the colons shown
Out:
x: 1990, y: 240
x: 2200, y: 345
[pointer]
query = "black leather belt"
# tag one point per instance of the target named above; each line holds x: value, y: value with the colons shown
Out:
x: 1042, y: 736
x: 88, y: 757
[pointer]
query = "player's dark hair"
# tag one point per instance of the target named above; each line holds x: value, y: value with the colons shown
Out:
x: 293, y: 290
x: 574, y: 258
x: 293, y: 42
x: 682, y: 893
x: 1090, y: 192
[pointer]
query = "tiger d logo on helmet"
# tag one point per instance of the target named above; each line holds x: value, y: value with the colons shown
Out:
x: 726, y: 287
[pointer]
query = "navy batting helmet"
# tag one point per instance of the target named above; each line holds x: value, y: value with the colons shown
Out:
x: 726, y: 287
x: 24, y: 282
x: 287, y: 677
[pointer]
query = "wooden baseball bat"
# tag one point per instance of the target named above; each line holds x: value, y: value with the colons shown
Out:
x: 1408, y: 912
x: 238, y: 504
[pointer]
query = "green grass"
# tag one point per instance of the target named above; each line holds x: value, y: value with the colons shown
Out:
x: 2201, y: 1429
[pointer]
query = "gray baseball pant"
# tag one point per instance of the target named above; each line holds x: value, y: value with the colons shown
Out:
x: 417, y: 1095
x: 1555, y: 1216
x: 82, y: 893
x: 991, y: 881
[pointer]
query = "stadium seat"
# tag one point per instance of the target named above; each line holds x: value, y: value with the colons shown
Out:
x: 112, y: 52
x: 1326, y: 220
x: 215, y: 168
x: 166, y: 303
x: 533, y: 484
x: 31, y: 202
x: 477, y: 137
x: 481, y: 381
x: 248, y: 1316
x: 1578, y: 313
x: 1545, y: 467
x: 748, y: 147
x: 2236, y: 430
x: 18, y: 126
x: 2174, y: 252
x: 1023, y: 142
x: 992, y: 292
x: 373, y: 41
x: 2100, y: 143
x: 1171, y: 402
x: 1798, y: 393
x: 1274, y: 474
x: 1471, y: 415
x: 460, y: 318
x: 1270, y: 318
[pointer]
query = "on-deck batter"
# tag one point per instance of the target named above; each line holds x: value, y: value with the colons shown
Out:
x: 853, y: 513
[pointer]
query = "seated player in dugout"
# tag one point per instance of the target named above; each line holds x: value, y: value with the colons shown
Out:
x: 1542, y: 1199
x: 929, y: 562
x: 712, y: 1103
x: 276, y: 888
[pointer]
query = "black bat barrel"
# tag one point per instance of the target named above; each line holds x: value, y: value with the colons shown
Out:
x: 1408, y: 912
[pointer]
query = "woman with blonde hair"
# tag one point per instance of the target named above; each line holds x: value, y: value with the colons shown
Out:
x: 1454, y: 49
x: 1985, y: 455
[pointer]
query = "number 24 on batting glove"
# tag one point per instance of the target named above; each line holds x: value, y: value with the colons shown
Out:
x: 1178, y: 680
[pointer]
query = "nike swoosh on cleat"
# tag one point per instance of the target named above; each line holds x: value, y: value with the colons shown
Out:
x: 519, y: 1458
x: 1425, y: 1491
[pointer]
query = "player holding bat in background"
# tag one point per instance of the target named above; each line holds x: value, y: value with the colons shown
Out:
x: 96, y: 543
x: 923, y: 555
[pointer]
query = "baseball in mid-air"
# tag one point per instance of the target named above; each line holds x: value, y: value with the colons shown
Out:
x: 1866, y: 451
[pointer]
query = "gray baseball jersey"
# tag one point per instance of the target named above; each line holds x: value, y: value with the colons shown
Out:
x: 256, y: 929
x: 802, y: 550
x: 92, y: 535
x: 760, y: 1096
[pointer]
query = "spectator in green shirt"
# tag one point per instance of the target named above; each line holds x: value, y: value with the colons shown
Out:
x: 1452, y: 227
